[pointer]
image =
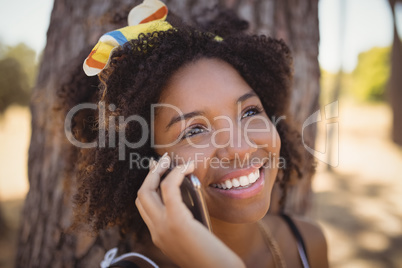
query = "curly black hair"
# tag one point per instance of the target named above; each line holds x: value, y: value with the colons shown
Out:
x: 135, y: 78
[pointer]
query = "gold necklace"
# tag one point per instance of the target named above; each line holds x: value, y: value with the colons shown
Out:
x: 273, y: 246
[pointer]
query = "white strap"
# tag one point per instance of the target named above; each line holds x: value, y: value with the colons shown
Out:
x: 110, y: 258
x: 133, y: 254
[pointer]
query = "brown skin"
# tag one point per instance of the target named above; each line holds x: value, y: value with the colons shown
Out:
x: 135, y: 81
x: 313, y: 237
x: 213, y: 88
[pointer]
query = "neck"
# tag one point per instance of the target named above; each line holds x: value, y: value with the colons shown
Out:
x: 241, y: 238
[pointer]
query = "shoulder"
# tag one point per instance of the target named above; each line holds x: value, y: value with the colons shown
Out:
x: 314, y: 240
x: 311, y: 233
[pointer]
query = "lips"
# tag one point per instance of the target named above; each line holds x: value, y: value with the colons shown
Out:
x: 249, y: 189
x: 240, y: 182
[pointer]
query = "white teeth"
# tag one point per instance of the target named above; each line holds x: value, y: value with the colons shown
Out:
x: 235, y: 182
x: 257, y: 174
x: 254, y: 176
x: 244, y: 180
x: 251, y: 177
x: 228, y: 184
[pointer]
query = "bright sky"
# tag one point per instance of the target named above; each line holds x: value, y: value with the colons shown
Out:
x: 367, y: 23
x: 25, y: 21
x: 364, y: 23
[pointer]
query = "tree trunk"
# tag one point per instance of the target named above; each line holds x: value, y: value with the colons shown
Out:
x: 44, y: 239
x: 395, y: 81
x: 3, y: 224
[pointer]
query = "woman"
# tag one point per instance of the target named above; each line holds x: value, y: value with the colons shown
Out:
x: 218, y: 98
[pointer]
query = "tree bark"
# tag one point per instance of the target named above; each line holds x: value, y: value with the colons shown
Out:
x: 395, y: 81
x: 3, y: 224
x: 44, y: 239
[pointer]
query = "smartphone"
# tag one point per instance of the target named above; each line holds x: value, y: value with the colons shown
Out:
x: 193, y: 198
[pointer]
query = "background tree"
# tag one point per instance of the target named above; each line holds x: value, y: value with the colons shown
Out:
x: 14, y: 87
x: 395, y: 81
x: 17, y: 75
x: 75, y: 27
x: 3, y: 224
x: 26, y: 57
x: 370, y: 77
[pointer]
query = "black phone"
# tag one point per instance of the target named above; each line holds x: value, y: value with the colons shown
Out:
x: 193, y: 198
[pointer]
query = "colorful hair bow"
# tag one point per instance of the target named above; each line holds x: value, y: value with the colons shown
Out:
x: 145, y: 18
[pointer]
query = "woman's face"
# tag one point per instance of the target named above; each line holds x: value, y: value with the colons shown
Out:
x: 210, y: 115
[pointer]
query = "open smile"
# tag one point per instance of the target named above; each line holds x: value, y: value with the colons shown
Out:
x: 241, y: 187
x: 239, y: 182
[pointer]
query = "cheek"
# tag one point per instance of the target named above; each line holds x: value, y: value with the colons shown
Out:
x: 276, y: 145
x: 263, y: 133
x: 200, y: 156
x: 269, y: 141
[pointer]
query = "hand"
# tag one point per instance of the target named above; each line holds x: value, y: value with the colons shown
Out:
x: 172, y: 226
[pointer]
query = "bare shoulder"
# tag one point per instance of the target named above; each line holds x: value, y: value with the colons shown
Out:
x: 313, y: 238
x: 315, y: 241
x: 310, y: 229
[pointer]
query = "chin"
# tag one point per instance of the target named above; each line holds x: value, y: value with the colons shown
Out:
x: 251, y: 214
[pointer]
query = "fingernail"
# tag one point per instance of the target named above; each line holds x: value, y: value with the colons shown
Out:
x: 164, y: 158
x: 191, y: 165
x: 187, y: 166
x: 164, y: 155
x: 151, y: 163
x: 160, y: 159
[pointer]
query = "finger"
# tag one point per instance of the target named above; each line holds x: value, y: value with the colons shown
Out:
x: 152, y: 180
x: 152, y: 163
x: 170, y: 187
x: 148, y: 196
x: 144, y: 214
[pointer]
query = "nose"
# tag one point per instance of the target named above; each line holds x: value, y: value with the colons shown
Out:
x: 234, y: 144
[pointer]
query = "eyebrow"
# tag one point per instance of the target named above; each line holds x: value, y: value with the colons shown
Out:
x: 246, y: 97
x: 186, y: 116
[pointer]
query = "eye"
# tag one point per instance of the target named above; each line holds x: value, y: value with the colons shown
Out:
x: 251, y: 111
x: 192, y: 131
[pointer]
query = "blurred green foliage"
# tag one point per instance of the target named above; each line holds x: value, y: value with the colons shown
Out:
x: 367, y: 82
x: 18, y: 70
x: 370, y: 77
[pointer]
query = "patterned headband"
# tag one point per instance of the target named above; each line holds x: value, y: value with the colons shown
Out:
x: 145, y: 18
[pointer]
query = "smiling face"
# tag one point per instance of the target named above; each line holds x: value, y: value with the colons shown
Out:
x: 211, y: 115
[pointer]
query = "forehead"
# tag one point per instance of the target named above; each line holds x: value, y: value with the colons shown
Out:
x: 200, y: 82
